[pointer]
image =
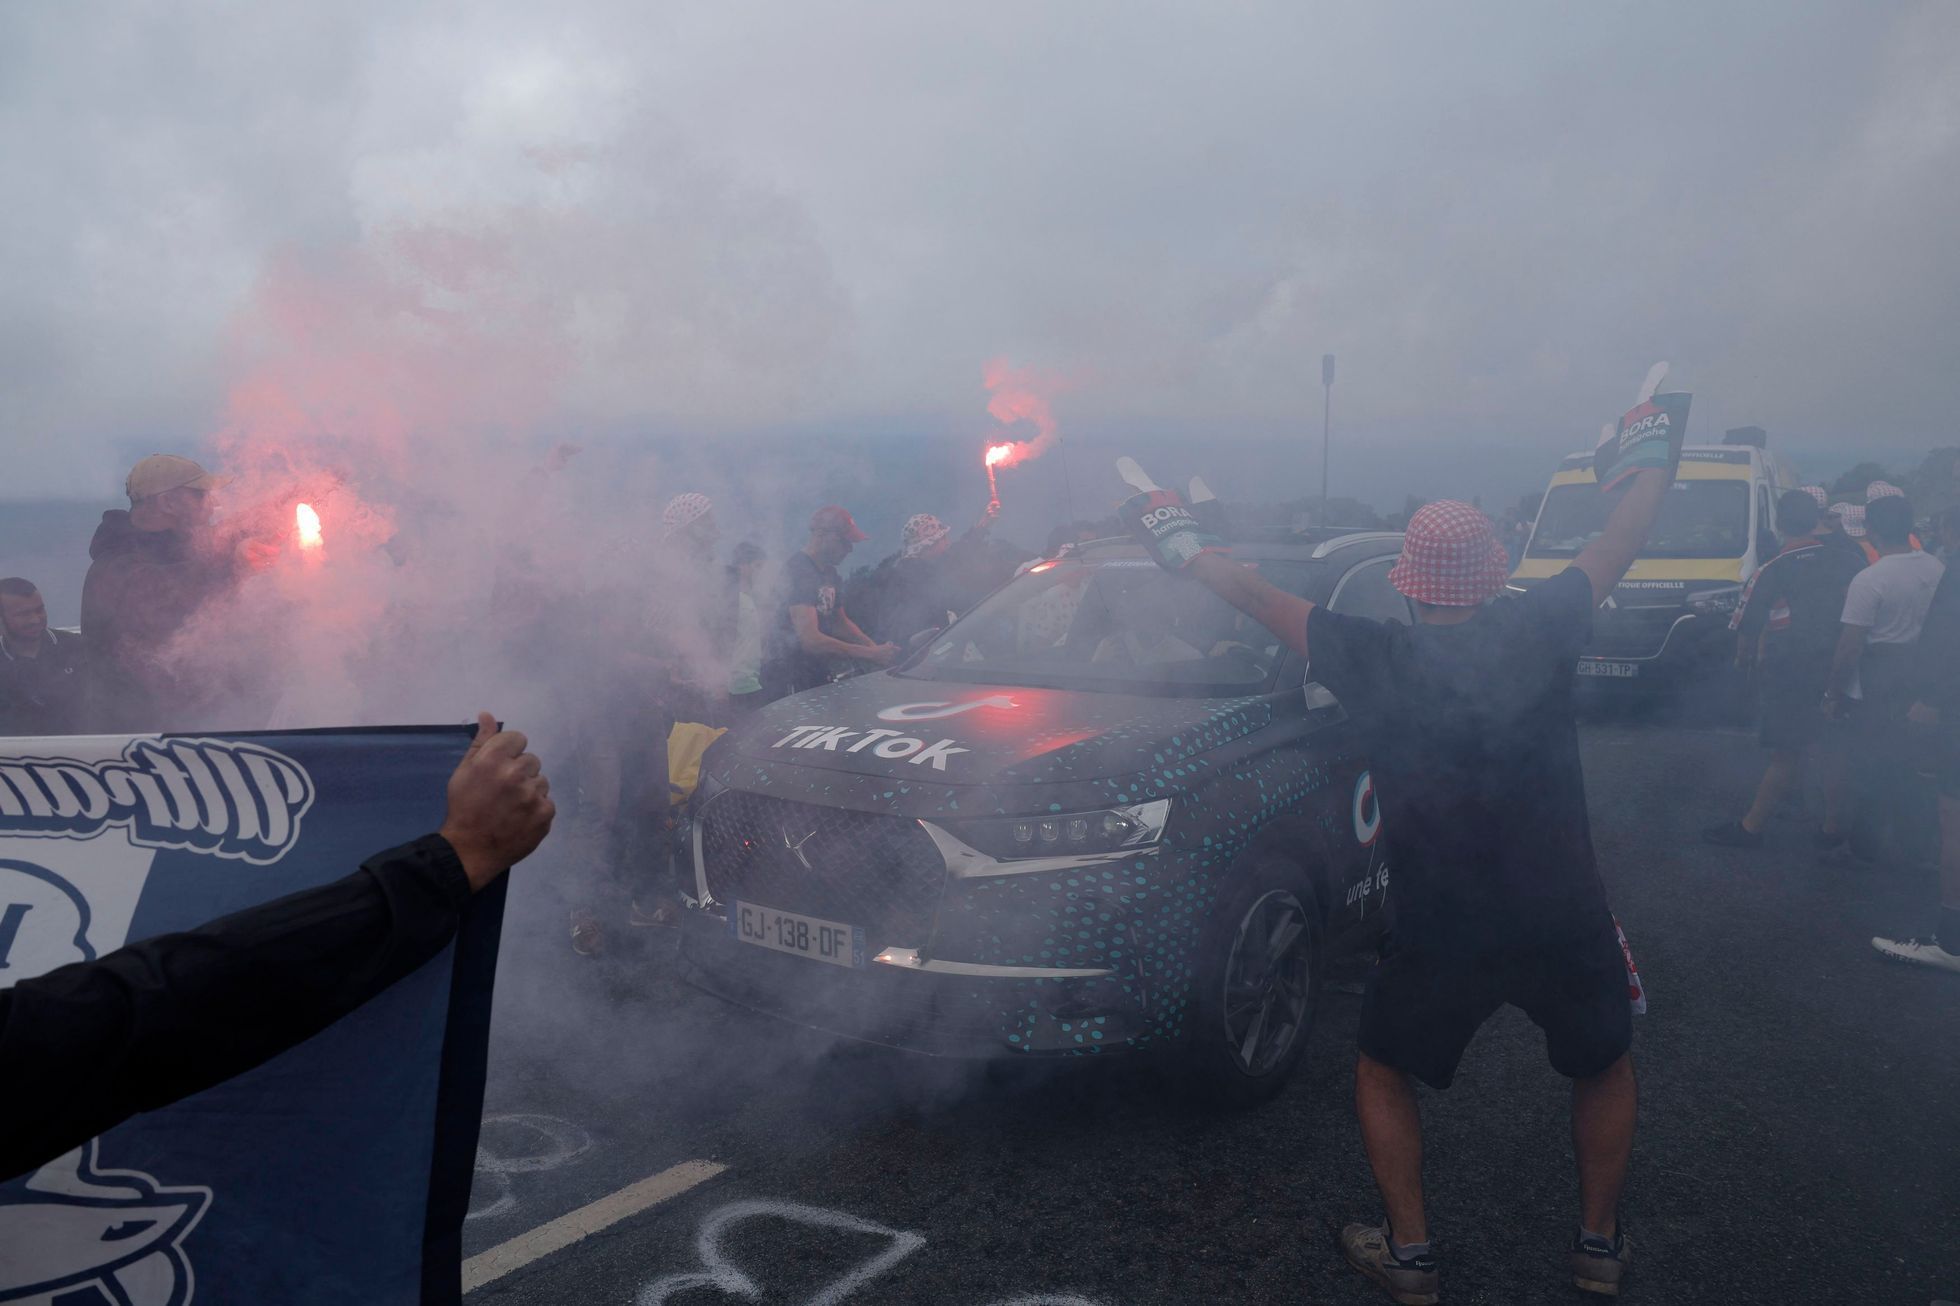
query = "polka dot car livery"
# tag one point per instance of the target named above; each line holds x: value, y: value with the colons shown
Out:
x: 1036, y: 870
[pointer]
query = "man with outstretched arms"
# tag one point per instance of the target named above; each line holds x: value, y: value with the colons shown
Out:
x: 1468, y: 722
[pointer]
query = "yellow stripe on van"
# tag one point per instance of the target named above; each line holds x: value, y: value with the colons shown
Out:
x: 1688, y: 472
x: 1642, y: 569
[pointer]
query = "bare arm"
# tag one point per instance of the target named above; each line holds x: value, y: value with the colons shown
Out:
x: 1607, y: 558
x: 853, y: 633
x: 1245, y: 589
x: 1844, y: 663
x: 810, y: 636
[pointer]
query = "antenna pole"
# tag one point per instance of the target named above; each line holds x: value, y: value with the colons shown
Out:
x: 1326, y: 427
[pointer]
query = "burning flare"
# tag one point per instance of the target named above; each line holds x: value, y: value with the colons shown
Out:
x: 996, y: 455
x: 308, y: 522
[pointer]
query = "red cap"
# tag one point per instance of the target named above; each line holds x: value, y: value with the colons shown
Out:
x: 830, y: 517
x: 1450, y: 557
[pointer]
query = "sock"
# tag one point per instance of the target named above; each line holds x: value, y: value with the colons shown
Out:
x: 1586, y: 1235
x: 1950, y: 930
x: 1406, y: 1251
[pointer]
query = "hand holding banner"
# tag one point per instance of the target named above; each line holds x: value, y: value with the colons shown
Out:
x: 1162, y: 523
x: 1648, y: 435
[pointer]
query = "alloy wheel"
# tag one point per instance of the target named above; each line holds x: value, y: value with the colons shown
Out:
x: 1268, y: 982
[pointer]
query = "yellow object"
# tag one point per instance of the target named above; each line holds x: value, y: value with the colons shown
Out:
x: 686, y: 743
x: 1757, y: 468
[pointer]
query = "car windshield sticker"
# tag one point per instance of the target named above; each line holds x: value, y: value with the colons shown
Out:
x: 934, y: 711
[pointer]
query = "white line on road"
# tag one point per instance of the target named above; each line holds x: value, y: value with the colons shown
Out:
x: 561, y: 1233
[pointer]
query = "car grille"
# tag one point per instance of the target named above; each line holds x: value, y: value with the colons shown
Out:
x: 855, y: 868
x: 1631, y: 632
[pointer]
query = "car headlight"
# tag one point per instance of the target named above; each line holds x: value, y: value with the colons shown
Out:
x: 1067, y: 834
x: 1716, y: 602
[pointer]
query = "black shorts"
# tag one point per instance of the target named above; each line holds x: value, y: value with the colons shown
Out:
x: 1792, y: 711
x: 1422, y: 1006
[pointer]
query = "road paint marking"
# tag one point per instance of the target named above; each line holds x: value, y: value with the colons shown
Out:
x: 720, y: 1273
x: 556, y: 1235
x: 564, y: 1143
x: 727, y: 1278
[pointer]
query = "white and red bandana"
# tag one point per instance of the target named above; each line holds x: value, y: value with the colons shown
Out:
x: 1450, y: 557
x: 1852, y: 517
x: 921, y: 532
x: 1882, y: 490
x: 683, y: 510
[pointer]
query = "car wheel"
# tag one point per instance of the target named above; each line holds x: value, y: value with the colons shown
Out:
x: 1258, y: 986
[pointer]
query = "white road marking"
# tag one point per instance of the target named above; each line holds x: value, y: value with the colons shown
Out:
x: 556, y: 1235
x: 720, y: 1273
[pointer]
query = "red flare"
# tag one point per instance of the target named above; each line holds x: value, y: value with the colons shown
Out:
x: 308, y: 522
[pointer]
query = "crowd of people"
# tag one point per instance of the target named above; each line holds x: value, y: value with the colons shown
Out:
x: 1852, y: 633
x: 1852, y: 630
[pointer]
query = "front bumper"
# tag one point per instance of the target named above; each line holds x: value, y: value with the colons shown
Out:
x: 966, y: 956
x: 916, y: 1006
x: 1654, y: 648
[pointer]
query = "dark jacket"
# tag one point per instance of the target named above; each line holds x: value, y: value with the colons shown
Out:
x: 91, y: 1044
x: 42, y: 695
x: 902, y: 596
x: 143, y: 587
x: 1938, y: 652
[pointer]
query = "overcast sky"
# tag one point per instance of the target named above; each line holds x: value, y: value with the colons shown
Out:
x: 750, y: 217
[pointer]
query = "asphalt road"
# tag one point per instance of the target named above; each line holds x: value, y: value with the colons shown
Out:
x: 1800, y: 1131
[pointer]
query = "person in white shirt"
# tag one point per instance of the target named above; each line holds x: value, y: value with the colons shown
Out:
x: 1871, y: 674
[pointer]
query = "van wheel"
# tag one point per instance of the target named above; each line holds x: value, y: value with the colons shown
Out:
x: 1258, y: 986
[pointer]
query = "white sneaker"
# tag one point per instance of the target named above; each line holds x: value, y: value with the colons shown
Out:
x: 1927, y: 952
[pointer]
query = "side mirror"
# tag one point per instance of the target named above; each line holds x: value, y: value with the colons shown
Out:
x: 1319, y: 697
x: 923, y: 638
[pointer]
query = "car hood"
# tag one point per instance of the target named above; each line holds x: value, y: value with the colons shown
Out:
x: 936, y: 732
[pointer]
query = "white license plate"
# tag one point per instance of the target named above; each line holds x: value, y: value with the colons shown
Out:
x: 800, y: 936
x: 1588, y: 667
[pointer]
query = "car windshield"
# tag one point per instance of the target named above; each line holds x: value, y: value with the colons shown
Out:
x: 1699, y: 519
x: 1119, y: 625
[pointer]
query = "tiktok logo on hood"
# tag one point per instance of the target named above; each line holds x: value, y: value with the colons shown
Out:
x: 78, y: 1235
x: 939, y: 711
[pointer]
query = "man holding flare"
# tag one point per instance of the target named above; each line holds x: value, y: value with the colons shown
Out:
x: 1468, y: 722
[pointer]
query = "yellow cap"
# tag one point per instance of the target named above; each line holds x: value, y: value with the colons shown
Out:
x: 166, y: 471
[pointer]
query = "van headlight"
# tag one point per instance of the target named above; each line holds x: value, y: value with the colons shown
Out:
x: 1066, y: 834
x: 1720, y: 602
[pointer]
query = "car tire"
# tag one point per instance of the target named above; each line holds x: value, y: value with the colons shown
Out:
x: 1252, y: 1007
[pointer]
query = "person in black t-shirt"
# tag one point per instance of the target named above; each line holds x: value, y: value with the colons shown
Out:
x: 812, y: 629
x: 1468, y: 722
x: 1787, y: 629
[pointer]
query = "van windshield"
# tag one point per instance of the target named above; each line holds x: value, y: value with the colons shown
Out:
x: 1700, y: 519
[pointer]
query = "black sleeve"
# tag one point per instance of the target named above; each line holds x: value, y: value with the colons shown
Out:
x: 87, y: 1046
x: 1764, y: 591
x: 1559, y: 614
x: 1347, y: 654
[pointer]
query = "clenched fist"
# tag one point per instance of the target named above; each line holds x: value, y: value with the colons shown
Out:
x: 500, y: 805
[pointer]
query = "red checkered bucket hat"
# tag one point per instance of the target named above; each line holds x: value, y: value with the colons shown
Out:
x: 1450, y: 557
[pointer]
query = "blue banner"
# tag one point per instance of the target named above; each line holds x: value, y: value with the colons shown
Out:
x: 339, y: 1171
